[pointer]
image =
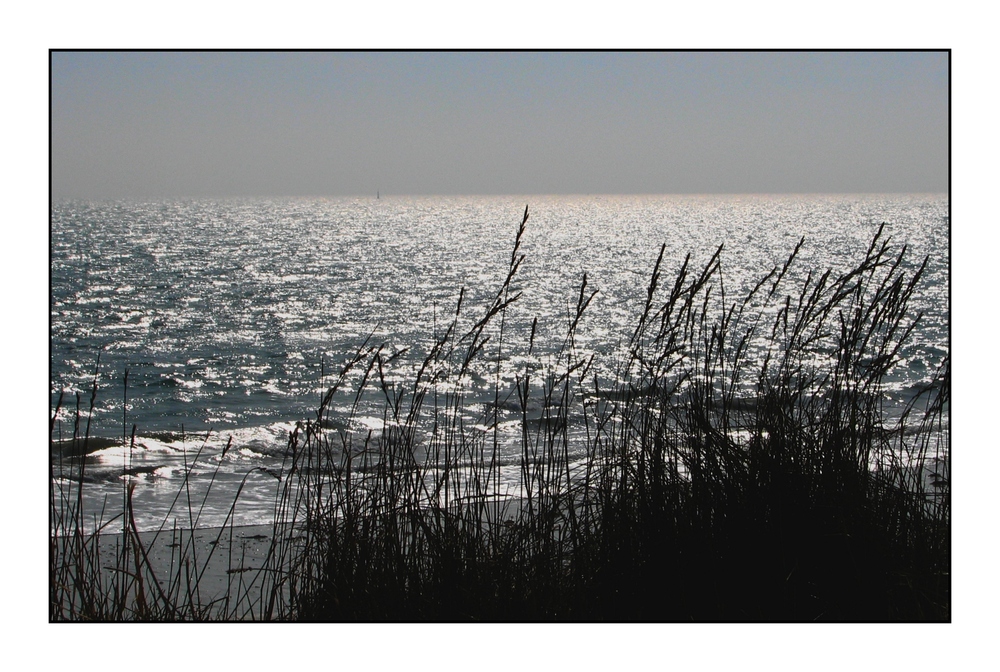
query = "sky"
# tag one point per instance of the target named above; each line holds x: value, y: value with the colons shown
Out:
x: 133, y: 124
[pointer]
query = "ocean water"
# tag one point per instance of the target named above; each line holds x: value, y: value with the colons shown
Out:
x: 231, y: 317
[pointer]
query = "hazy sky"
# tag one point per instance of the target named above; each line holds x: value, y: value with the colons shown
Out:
x: 134, y: 124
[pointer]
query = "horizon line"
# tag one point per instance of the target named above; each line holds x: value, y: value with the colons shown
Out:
x: 54, y: 199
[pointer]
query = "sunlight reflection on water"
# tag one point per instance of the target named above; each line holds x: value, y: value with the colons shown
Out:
x: 232, y: 315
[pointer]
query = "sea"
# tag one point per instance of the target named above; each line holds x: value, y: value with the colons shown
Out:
x: 190, y: 337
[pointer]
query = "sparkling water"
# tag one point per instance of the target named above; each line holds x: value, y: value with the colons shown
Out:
x: 231, y: 318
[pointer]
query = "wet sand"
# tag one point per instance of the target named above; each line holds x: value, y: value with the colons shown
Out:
x: 210, y: 574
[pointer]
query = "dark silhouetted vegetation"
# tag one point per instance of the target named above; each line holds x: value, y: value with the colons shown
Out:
x: 741, y: 465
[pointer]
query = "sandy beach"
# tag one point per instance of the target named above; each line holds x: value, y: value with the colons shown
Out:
x: 213, y: 573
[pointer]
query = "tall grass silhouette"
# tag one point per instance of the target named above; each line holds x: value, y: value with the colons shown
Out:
x: 741, y: 464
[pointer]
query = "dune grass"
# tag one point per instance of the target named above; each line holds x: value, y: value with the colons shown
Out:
x: 740, y: 465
